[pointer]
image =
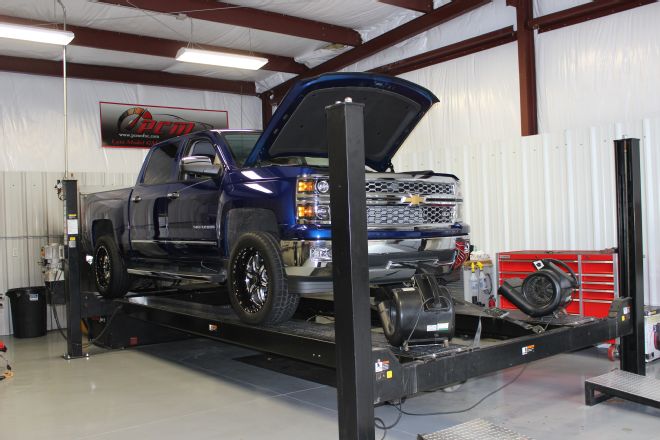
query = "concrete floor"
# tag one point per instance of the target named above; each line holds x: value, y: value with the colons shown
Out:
x: 196, y: 389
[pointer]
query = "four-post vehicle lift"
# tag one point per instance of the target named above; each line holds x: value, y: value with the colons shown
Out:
x: 369, y: 370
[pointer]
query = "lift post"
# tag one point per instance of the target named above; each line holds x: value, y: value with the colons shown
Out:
x: 355, y: 393
x: 74, y: 347
x: 627, y: 163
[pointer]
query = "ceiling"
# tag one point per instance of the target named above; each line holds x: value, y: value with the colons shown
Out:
x: 124, y: 39
x: 129, y: 17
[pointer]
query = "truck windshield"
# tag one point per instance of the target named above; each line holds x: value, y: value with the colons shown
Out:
x: 241, y: 145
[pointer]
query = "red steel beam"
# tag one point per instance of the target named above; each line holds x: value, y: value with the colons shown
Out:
x: 529, y: 125
x: 466, y: 47
x: 132, y: 43
x: 124, y: 75
x: 226, y: 13
x: 582, y: 13
x: 408, y: 30
x: 415, y: 5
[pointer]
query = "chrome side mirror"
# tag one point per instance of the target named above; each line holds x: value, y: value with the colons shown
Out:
x: 200, y: 165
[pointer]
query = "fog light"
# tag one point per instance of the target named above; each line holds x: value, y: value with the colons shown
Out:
x: 321, y: 254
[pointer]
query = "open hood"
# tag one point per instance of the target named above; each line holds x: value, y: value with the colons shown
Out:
x: 392, y: 108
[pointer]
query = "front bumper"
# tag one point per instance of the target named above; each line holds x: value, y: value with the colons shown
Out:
x: 309, y: 262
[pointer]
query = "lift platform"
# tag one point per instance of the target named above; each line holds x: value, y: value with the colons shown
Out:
x: 310, y: 336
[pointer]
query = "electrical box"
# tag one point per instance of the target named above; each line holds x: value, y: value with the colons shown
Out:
x: 652, y: 333
x: 52, y: 258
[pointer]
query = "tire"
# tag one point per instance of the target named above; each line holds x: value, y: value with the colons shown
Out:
x: 110, y: 276
x: 258, y: 289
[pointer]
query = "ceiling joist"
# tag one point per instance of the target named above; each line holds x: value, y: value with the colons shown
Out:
x: 226, y: 13
x: 132, y: 43
x: 462, y: 48
x: 585, y: 12
x: 414, y: 5
x: 124, y: 75
x: 408, y: 30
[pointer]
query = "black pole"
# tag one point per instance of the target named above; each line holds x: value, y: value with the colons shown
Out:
x: 348, y: 206
x: 72, y: 269
x: 630, y: 240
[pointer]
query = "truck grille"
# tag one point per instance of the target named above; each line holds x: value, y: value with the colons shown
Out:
x: 409, y: 187
x: 409, y: 215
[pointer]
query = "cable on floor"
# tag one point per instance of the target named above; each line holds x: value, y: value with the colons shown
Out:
x: 378, y: 422
x: 496, y: 390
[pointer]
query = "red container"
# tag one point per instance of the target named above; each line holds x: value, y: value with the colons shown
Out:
x: 596, y: 270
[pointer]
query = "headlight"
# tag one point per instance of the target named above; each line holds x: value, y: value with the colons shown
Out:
x: 458, y: 189
x: 313, y: 199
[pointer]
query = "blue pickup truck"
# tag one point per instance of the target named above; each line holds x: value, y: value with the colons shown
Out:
x: 251, y: 209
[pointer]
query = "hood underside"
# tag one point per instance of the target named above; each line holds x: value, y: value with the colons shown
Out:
x: 392, y: 108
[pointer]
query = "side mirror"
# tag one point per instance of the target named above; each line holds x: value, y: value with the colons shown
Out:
x: 200, y: 165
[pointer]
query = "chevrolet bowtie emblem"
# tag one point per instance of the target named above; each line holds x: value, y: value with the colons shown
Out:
x: 413, y: 200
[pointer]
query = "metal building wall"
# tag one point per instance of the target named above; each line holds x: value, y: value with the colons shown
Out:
x: 552, y: 191
x: 32, y: 216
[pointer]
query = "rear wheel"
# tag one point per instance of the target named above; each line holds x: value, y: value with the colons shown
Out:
x: 110, y: 275
x: 258, y: 288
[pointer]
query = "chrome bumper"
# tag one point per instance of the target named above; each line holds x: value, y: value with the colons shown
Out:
x: 309, y: 263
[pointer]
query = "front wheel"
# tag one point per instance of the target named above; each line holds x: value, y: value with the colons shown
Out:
x: 258, y: 288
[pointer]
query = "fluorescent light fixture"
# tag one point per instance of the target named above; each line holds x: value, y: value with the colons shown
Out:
x: 224, y: 59
x: 36, y: 34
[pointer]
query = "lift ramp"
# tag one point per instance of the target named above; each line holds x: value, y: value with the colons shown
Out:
x: 625, y: 385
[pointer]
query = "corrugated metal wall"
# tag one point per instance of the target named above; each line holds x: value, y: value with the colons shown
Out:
x: 33, y: 216
x: 553, y: 191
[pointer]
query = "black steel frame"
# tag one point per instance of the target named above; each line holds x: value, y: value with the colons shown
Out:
x: 345, y: 128
x: 74, y: 346
x: 627, y: 164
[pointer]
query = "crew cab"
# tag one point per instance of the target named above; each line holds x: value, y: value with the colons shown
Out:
x: 252, y: 209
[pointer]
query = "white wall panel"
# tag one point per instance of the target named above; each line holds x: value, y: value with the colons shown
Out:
x: 32, y: 217
x: 600, y: 71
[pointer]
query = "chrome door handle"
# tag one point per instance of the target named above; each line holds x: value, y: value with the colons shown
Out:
x: 136, y: 199
x: 173, y: 195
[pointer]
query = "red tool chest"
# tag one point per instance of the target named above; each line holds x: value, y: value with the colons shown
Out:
x: 596, y: 270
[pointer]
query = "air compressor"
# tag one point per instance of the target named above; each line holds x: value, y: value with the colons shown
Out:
x: 422, y: 313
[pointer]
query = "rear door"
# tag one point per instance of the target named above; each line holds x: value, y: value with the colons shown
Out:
x: 149, y: 203
x: 194, y: 208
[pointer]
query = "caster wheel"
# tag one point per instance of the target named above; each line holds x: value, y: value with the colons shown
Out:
x: 613, y: 352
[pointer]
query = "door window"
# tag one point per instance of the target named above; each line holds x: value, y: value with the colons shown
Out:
x: 161, y: 165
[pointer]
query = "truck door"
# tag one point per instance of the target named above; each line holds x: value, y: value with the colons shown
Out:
x: 193, y: 211
x: 149, y: 203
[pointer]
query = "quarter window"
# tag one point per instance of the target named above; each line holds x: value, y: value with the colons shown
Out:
x: 161, y: 165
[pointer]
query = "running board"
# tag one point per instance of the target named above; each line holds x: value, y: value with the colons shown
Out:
x: 211, y: 277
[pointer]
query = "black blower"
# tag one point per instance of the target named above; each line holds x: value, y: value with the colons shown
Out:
x: 544, y: 291
x: 420, y: 314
